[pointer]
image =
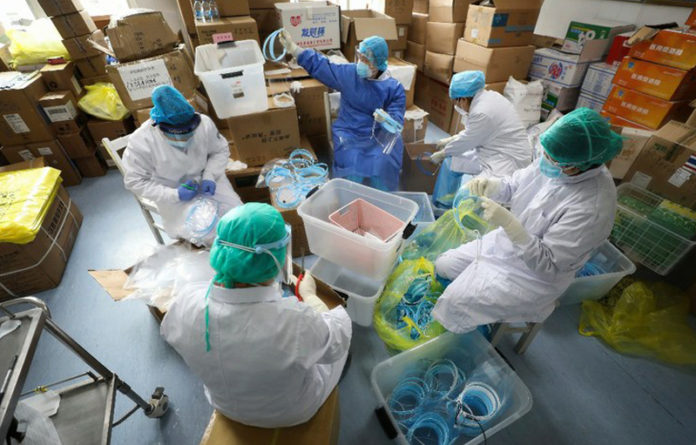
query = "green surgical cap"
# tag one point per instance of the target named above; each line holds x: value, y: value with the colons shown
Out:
x: 581, y: 138
x: 248, y: 225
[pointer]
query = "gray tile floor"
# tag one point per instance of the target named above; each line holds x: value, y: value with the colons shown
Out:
x: 584, y: 393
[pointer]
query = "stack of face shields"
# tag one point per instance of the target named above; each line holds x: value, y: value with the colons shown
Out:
x: 290, y: 180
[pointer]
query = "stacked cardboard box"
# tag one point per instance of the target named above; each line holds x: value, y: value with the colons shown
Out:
x: 400, y: 11
x: 264, y: 12
x: 359, y: 24
x: 596, y: 86
x: 417, y: 34
x: 235, y: 23
x: 443, y: 29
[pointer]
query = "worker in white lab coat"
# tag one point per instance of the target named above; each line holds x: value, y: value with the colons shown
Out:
x: 266, y: 360
x: 494, y: 142
x: 175, y: 156
x: 562, y: 209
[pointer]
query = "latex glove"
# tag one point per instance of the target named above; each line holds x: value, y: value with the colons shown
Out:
x: 308, y: 292
x: 443, y: 142
x: 498, y: 215
x: 438, y: 157
x: 378, y: 117
x: 208, y: 187
x: 485, y: 187
x: 289, y: 45
x: 188, y: 190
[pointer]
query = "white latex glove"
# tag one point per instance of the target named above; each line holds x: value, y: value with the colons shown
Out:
x: 438, y: 157
x: 378, y: 117
x: 498, y: 215
x: 308, y: 292
x: 289, y: 45
x: 443, y: 142
x: 485, y: 187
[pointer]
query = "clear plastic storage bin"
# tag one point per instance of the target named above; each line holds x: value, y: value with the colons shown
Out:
x: 594, y: 287
x: 361, y: 292
x: 425, y: 207
x: 479, y: 362
x: 232, y: 74
x: 372, y: 258
x: 642, y: 239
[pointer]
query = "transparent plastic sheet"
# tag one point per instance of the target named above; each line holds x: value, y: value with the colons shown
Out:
x: 643, y: 319
x: 39, y: 427
x: 37, y: 43
x: 201, y: 221
x: 446, y: 185
x: 290, y: 180
x: 102, y: 101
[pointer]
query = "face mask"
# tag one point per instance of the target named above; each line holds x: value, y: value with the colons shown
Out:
x: 363, y: 70
x: 548, y: 169
x: 180, y: 145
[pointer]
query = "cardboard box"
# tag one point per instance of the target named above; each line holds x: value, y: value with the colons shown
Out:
x: 415, y: 54
x: 588, y: 100
x: 498, y: 87
x: 312, y: 25
x: 244, y: 184
x: 100, y: 129
x: 593, y: 38
x: 618, y: 49
x: 667, y: 164
x: 91, y: 166
x: 198, y: 102
x: 60, y: 7
x: 508, y: 23
x: 656, y: 80
x: 359, y: 24
x: 399, y: 10
x: 39, y: 265
x: 443, y: 37
x: 498, y: 64
x: 238, y: 28
x: 415, y: 165
x: 53, y: 155
x: 551, y: 64
x: 557, y: 96
x: 405, y: 73
x: 232, y: 8
x: 135, y: 81
x: 633, y: 143
x: 21, y: 117
x: 81, y: 47
x: 415, y: 125
x: 401, y: 42
x: 401, y: 54
x: 417, y: 32
x: 598, y: 80
x: 619, y: 121
x: 74, y: 24
x: 61, y: 77
x: 433, y: 97
x: 438, y: 66
x: 449, y: 11
x: 85, y: 81
x: 456, y: 124
x: 92, y: 66
x: 186, y: 15
x: 61, y: 109
x: 670, y: 48
x: 310, y: 107
x: 266, y: 21
x: 643, y: 109
x: 141, y: 35
x: 79, y: 144
x: 421, y: 6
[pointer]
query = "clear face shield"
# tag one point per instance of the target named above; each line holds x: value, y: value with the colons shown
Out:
x: 385, y: 131
x: 201, y: 220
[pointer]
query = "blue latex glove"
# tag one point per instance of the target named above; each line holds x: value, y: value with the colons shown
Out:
x: 188, y: 190
x: 208, y: 187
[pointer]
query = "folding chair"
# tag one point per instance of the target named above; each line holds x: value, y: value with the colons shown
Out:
x: 148, y: 207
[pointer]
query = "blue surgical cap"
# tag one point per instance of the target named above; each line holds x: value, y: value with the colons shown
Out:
x: 170, y: 107
x: 466, y: 84
x: 376, y: 50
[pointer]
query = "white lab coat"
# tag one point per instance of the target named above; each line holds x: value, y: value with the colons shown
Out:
x: 273, y: 361
x: 155, y: 169
x: 494, y: 142
x: 567, y: 218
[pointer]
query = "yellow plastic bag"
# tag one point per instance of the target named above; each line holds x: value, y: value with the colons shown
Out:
x: 25, y: 197
x: 645, y: 319
x: 103, y: 101
x: 36, y: 44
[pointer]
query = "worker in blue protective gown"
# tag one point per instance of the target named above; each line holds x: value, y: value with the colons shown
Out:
x: 365, y: 87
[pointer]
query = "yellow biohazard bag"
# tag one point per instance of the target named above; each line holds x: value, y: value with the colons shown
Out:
x: 25, y: 197
x: 36, y: 44
x: 102, y: 101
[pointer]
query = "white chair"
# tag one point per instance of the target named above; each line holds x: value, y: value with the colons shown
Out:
x: 149, y: 208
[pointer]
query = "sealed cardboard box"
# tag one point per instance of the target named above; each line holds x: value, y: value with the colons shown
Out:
x: 643, y: 109
x: 598, y: 80
x: 421, y: 6
x: 61, y: 109
x: 618, y: 49
x: 92, y: 66
x: 405, y: 73
x: 85, y: 81
x: 312, y: 25
x: 53, y: 155
x: 671, y: 48
x: 60, y: 7
x: 244, y: 184
x: 21, y: 119
x: 418, y: 173
x: 667, y: 164
x: 231, y: 8
x: 261, y: 4
x: 443, y: 37
x: 619, y: 121
x: 135, y: 81
x: 399, y: 10
x: 551, y: 64
x: 74, y: 24
x: 507, y: 23
x: 449, y: 11
x: 140, y: 35
x: 438, y: 66
x: 415, y: 125
x: 359, y: 24
x: 433, y: 97
x: 456, y: 124
x: 587, y: 100
x: 100, y: 129
x: 228, y: 28
x: 91, y: 166
x: 79, y: 144
x: 61, y: 77
x: 198, y: 102
x: 633, y: 142
x: 266, y: 21
x: 557, y: 96
x: 656, y: 80
x: 81, y: 47
x: 417, y: 32
x: 309, y: 101
x: 593, y: 38
x: 498, y: 64
x: 186, y: 15
x: 415, y: 54
x: 401, y: 42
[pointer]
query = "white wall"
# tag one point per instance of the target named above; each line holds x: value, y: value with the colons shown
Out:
x: 169, y: 9
x: 557, y: 14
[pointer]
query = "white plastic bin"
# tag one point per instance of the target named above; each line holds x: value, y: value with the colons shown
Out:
x: 475, y: 356
x: 595, y: 287
x: 232, y: 74
x: 361, y: 292
x: 425, y: 215
x: 372, y: 258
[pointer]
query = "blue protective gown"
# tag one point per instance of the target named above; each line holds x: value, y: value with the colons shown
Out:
x: 356, y: 155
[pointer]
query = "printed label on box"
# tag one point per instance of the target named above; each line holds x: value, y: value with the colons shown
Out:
x: 402, y: 31
x: 641, y: 180
x: 76, y: 85
x: 223, y: 37
x: 26, y: 155
x: 60, y: 113
x: 680, y: 177
x: 45, y: 151
x: 474, y: 33
x: 16, y: 123
x: 141, y: 78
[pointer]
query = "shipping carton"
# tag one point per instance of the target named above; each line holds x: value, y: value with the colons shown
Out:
x: 86, y: 81
x: 100, y: 129
x: 438, y: 66
x: 400, y: 43
x: 551, y: 64
x: 198, y: 102
x: 421, y: 6
x: 60, y: 7
x: 405, y: 73
x: 618, y: 49
x: 61, y: 109
x: 671, y: 48
x: 135, y: 81
x: 557, y: 96
x: 620, y: 121
x: 449, y: 11
x: 228, y: 28
x: 244, y: 183
x: 21, y: 118
x: 593, y: 38
x: 415, y: 125
x: 399, y: 10
x: 418, y: 173
x: 92, y: 66
x: 598, y: 79
x: 312, y: 25
x: 185, y: 8
x: 266, y: 21
x: 309, y: 101
x: 359, y: 24
x: 61, y: 77
x: 74, y: 24
x: 53, y: 155
x: 656, y: 80
x: 415, y: 54
x: 141, y: 35
x: 633, y: 142
x: 79, y: 144
x: 507, y: 23
x: 91, y: 166
x: 232, y: 8
x: 433, y: 97
x: 443, y: 37
x: 498, y: 64
x: 417, y: 32
x: 643, y: 109
x: 588, y: 100
x: 667, y: 164
x: 81, y: 47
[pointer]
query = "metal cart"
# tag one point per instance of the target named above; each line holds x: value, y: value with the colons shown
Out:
x: 86, y: 410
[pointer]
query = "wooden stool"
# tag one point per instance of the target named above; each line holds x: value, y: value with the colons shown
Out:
x: 322, y: 429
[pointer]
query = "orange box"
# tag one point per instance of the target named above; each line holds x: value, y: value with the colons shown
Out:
x: 691, y: 21
x: 642, y: 109
x: 656, y: 80
x: 671, y: 48
x: 621, y: 122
